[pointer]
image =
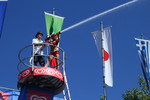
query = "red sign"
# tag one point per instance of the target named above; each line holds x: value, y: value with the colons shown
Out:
x: 4, y: 96
x: 24, y: 74
x: 38, y: 95
x: 48, y: 71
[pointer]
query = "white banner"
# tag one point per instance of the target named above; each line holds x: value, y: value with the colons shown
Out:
x: 108, y: 59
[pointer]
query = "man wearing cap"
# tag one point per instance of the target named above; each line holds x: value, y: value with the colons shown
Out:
x: 38, y: 53
x: 54, y: 50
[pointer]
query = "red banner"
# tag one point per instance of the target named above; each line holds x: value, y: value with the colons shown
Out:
x: 48, y: 71
x: 24, y: 74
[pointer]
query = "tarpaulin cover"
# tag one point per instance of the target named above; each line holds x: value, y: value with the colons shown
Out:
x: 6, y: 94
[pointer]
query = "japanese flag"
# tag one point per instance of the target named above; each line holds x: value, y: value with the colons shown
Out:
x: 108, y: 72
x: 108, y: 60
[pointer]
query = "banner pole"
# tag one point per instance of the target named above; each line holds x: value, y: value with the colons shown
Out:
x: 148, y: 69
x: 53, y: 11
x: 103, y: 62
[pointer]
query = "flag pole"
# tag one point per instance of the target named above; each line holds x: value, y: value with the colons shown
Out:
x: 142, y: 36
x: 103, y: 62
x: 147, y: 73
x: 53, y: 11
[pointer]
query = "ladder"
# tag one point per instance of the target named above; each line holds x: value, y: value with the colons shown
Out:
x: 66, y: 91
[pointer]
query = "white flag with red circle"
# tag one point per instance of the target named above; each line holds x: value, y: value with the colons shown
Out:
x: 108, y: 59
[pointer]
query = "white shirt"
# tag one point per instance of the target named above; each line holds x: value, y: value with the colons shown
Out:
x: 36, y: 48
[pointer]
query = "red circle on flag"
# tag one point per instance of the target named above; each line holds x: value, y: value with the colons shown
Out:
x: 106, y: 55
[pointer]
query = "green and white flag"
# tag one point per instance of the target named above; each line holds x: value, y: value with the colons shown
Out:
x: 53, y: 23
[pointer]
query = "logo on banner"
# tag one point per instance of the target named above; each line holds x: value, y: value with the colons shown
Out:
x: 48, y: 71
x: 38, y: 95
x: 35, y: 97
x: 24, y: 74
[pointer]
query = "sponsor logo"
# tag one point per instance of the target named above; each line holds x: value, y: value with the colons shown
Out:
x: 35, y: 97
x: 48, y: 71
x: 39, y: 71
x: 38, y: 95
x: 24, y: 74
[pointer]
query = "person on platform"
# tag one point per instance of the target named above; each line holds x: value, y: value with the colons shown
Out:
x: 37, y: 51
x: 54, y: 53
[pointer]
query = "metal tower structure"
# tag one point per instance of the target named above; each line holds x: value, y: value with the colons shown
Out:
x: 47, y: 78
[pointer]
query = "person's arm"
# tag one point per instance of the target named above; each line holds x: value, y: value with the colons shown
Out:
x: 47, y: 38
x: 58, y: 35
x: 43, y: 45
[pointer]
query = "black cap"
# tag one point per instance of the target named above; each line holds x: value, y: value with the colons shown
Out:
x: 38, y: 34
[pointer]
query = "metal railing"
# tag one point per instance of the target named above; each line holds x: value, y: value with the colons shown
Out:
x: 31, y: 57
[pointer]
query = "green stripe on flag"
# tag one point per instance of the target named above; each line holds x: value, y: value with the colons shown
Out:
x: 53, y: 23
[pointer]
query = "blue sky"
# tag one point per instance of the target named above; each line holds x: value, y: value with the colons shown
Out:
x: 84, y: 68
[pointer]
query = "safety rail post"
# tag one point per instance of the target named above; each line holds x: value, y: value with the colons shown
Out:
x: 47, y: 52
x: 33, y: 58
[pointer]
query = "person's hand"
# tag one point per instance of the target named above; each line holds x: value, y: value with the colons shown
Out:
x: 47, y: 38
x: 58, y: 33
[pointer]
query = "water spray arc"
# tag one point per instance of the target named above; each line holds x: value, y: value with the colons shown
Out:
x: 98, y: 15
